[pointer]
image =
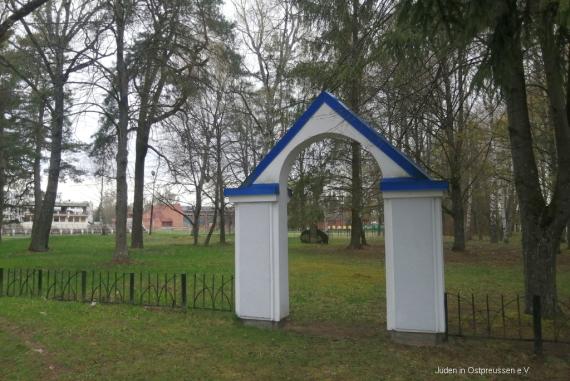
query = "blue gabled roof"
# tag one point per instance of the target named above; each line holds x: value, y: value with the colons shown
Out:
x: 371, y: 134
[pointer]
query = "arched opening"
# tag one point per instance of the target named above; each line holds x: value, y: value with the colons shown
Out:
x: 412, y: 215
x: 329, y: 283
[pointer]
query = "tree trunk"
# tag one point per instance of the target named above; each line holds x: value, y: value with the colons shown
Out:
x: 509, y: 214
x: 220, y: 184
x: 101, y: 214
x: 121, y: 249
x: 458, y: 211
x: 493, y: 216
x: 568, y: 235
x: 149, y: 101
x: 356, y: 205
x: 138, y: 201
x: 19, y: 14
x: 540, y: 249
x: 475, y: 222
x: 362, y: 234
x: 380, y: 209
x: 468, y: 217
x: 538, y: 240
x: 214, y: 220
x: 222, y: 215
x: 197, y: 212
x: 354, y: 89
x: 313, y: 233
x: 1, y: 200
x: 3, y: 166
x: 42, y: 223
x: 38, y: 144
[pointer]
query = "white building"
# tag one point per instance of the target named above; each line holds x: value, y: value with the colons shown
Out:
x: 66, y: 215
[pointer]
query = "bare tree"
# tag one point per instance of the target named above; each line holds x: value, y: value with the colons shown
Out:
x: 63, y: 42
x: 190, y: 138
x: 271, y: 33
x: 171, y: 58
x: 18, y: 14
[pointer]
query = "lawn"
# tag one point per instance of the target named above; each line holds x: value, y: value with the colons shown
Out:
x: 336, y: 328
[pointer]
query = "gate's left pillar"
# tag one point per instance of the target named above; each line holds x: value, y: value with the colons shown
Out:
x: 261, y: 263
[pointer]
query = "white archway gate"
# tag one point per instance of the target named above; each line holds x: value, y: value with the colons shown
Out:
x: 412, y: 218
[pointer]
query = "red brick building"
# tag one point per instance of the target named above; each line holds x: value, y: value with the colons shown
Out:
x: 165, y: 217
x: 173, y: 218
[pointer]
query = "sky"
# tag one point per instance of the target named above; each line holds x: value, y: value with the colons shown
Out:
x: 88, y: 189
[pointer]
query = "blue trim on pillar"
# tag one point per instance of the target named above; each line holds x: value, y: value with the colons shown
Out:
x: 372, y: 135
x: 398, y: 184
x: 253, y: 190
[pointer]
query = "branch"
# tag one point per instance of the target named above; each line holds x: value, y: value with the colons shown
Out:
x: 18, y: 15
x: 166, y: 202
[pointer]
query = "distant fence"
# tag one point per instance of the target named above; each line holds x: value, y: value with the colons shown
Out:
x: 20, y: 231
x: 97, y: 230
x: 198, y: 291
x: 342, y: 232
x: 502, y: 317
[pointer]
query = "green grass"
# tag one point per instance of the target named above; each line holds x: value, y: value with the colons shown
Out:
x: 336, y: 329
x: 163, y: 252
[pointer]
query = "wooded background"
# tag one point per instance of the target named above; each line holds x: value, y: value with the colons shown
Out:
x: 476, y: 92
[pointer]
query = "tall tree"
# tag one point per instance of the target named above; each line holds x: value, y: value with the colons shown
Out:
x: 271, y: 33
x: 18, y: 129
x: 507, y: 29
x: 189, y: 145
x: 170, y: 58
x: 121, y: 9
x: 18, y: 13
x: 347, y: 34
x: 102, y: 153
x: 440, y: 128
x: 112, y: 136
x: 8, y: 102
x: 62, y: 40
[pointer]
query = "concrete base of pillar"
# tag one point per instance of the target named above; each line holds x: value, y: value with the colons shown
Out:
x: 264, y: 324
x: 420, y: 339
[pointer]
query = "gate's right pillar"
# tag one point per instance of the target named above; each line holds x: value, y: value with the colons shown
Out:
x: 414, y: 260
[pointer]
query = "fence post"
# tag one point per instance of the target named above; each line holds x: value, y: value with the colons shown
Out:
x: 83, y: 285
x: 183, y: 288
x: 1, y: 281
x: 554, y: 320
x: 132, y: 288
x: 40, y: 281
x: 537, y: 324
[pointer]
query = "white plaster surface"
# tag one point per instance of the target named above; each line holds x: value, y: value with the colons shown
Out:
x: 414, y: 263
x: 262, y: 283
x: 414, y: 254
x: 324, y: 123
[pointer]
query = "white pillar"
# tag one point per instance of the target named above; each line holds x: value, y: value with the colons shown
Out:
x: 261, y: 263
x: 414, y: 261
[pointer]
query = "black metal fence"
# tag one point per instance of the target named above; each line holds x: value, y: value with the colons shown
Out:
x: 502, y: 317
x: 199, y: 291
